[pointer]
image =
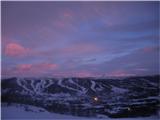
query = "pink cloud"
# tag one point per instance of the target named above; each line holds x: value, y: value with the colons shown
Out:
x: 43, y: 66
x: 65, y: 22
x: 84, y: 74
x: 76, y: 73
x: 150, y: 49
x: 33, y: 69
x: 24, y: 67
x: 68, y: 14
x: 147, y: 49
x: 46, y: 66
x: 119, y: 73
x: 14, y: 50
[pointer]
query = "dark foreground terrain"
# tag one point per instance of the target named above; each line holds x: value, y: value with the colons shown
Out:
x: 127, y: 97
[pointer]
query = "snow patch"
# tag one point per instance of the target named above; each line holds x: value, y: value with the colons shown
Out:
x: 118, y: 90
x: 93, y: 84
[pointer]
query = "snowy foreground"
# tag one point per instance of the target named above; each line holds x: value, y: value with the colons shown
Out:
x: 25, y: 112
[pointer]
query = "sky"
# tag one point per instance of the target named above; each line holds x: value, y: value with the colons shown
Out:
x: 79, y: 39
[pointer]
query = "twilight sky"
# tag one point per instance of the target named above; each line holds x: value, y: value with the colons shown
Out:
x: 79, y: 39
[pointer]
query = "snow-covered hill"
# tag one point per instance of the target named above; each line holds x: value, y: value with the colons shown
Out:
x: 32, y: 113
x: 128, y: 97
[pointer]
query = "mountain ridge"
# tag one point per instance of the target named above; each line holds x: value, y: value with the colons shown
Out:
x: 115, y: 98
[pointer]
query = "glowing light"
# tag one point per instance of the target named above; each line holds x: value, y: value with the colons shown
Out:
x: 95, y: 99
x: 129, y: 109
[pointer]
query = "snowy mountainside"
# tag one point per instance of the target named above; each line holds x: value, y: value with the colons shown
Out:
x: 128, y: 97
x: 26, y: 112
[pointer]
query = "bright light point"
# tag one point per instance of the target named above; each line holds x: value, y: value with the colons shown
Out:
x: 95, y: 99
x: 129, y: 109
